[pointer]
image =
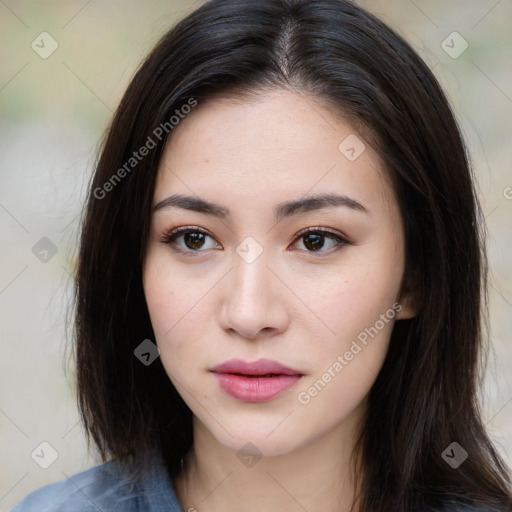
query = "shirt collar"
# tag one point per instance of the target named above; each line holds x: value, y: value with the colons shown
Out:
x: 157, y: 487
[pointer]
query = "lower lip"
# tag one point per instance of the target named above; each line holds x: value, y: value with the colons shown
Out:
x: 255, y: 389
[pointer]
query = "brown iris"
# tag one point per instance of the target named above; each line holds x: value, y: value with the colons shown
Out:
x: 313, y: 241
x: 194, y: 240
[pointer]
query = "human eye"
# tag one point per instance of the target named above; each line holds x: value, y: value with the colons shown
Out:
x: 189, y: 239
x: 314, y: 240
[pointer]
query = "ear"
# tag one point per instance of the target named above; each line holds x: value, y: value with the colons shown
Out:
x: 409, y: 301
x: 408, y: 308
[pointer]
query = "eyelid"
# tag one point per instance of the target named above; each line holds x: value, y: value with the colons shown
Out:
x: 180, y: 229
x: 321, y: 229
x: 168, y: 237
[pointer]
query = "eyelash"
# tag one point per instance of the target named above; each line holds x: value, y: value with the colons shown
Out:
x: 170, y: 238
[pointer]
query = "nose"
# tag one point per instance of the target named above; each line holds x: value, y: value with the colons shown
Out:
x: 254, y: 301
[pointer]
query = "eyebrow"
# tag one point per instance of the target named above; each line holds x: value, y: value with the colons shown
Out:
x: 280, y: 211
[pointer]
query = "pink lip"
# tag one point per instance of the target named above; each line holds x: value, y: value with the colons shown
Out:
x: 256, y: 381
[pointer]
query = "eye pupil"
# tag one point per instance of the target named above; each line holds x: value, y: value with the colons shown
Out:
x: 194, y: 238
x: 317, y: 241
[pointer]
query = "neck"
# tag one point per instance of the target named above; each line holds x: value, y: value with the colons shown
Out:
x: 315, y: 477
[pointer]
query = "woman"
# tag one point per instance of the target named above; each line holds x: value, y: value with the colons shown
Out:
x: 278, y: 301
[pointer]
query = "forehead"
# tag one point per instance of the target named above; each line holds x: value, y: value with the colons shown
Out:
x: 275, y: 144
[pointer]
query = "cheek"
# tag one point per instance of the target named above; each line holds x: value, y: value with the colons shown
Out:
x: 346, y: 367
x: 177, y: 308
x: 359, y: 304
x: 354, y: 296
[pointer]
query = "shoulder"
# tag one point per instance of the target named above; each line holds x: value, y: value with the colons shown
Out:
x: 106, y: 487
x: 85, y: 491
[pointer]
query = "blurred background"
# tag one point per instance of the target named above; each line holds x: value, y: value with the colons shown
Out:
x: 64, y: 67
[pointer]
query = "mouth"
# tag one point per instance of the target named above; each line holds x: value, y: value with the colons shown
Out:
x: 257, y: 381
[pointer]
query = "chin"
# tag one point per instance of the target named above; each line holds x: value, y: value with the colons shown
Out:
x: 255, y: 440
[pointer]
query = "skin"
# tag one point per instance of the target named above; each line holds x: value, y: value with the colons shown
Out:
x: 300, y: 307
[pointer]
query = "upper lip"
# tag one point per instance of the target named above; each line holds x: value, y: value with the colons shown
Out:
x: 259, y: 367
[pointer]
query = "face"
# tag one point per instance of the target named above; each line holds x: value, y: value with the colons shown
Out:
x: 273, y: 311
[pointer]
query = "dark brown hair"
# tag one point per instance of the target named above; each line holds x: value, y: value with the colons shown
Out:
x: 425, y: 396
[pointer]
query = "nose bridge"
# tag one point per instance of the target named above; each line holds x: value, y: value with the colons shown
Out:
x: 252, y: 302
x: 250, y: 271
x: 250, y: 279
